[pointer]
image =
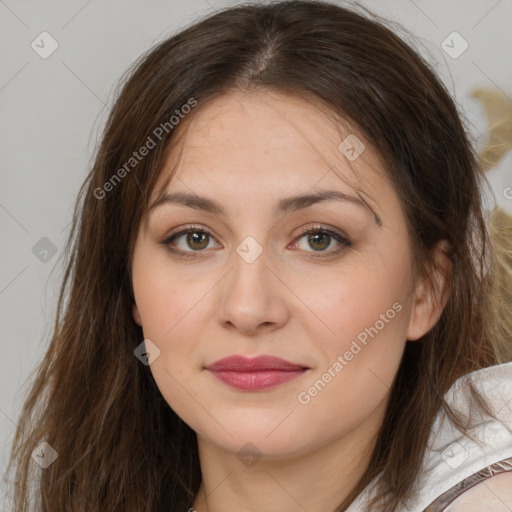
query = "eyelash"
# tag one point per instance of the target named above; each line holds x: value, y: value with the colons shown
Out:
x: 343, y: 240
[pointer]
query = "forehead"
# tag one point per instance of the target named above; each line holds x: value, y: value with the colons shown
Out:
x: 270, y: 141
x: 260, y: 114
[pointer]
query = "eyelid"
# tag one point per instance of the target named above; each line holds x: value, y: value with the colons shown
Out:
x: 187, y: 227
x: 183, y: 231
x: 322, y: 227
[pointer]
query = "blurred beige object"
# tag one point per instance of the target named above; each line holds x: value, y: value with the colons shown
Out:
x: 498, y: 111
x: 500, y: 224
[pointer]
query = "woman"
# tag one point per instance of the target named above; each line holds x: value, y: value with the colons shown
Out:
x: 280, y: 287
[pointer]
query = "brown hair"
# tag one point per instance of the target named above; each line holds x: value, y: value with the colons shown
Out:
x: 120, y: 446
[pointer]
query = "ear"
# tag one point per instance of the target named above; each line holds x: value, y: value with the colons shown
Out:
x: 428, y: 305
x: 136, y: 315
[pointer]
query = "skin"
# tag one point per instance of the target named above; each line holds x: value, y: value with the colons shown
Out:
x: 248, y: 151
x: 492, y: 494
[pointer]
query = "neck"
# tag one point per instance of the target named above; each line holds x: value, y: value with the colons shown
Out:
x: 316, y: 480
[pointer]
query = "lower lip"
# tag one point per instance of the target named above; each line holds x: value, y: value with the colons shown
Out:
x: 257, y: 380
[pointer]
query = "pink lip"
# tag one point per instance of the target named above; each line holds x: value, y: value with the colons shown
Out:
x: 254, y: 374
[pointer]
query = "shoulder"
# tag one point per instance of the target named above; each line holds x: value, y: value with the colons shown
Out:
x: 472, y: 472
x: 494, y: 494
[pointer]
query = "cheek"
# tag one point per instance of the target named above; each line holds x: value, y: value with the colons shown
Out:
x: 165, y: 297
x: 360, y: 298
x: 365, y: 317
x: 176, y: 321
x: 360, y: 360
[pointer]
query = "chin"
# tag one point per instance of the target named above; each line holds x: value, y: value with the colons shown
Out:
x: 272, y: 444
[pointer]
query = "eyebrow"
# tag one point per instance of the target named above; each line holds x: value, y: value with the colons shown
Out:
x: 285, y: 205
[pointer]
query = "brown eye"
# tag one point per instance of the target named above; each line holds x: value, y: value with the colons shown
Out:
x: 196, y: 240
x: 189, y: 240
x: 320, y: 239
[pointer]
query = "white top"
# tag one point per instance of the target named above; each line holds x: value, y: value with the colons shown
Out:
x: 451, y: 457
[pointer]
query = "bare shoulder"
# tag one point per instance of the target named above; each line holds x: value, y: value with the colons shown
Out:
x: 494, y: 494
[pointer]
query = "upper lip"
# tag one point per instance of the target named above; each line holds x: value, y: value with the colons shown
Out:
x: 244, y: 364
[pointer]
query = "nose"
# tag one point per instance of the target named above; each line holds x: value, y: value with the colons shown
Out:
x: 252, y: 297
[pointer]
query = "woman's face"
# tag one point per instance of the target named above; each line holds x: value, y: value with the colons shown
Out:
x: 247, y: 281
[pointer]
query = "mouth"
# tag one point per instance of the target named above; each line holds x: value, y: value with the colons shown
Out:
x: 255, y: 374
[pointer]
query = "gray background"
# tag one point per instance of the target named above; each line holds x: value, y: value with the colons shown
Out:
x: 52, y: 111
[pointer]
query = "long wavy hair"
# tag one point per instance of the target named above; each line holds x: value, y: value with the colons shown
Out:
x: 120, y: 446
